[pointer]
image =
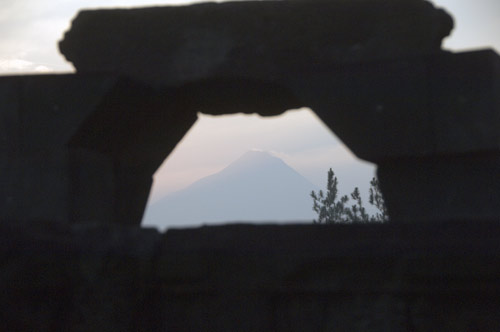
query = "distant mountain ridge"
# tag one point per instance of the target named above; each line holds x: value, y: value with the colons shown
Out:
x: 255, y: 187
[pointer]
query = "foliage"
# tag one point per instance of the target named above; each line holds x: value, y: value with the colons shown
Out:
x: 326, y: 204
x: 376, y: 199
x: 334, y: 209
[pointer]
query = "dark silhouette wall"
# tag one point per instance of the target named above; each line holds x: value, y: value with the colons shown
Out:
x: 371, y: 277
x: 78, y: 151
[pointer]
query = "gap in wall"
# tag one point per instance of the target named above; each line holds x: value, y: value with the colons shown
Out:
x: 201, y: 162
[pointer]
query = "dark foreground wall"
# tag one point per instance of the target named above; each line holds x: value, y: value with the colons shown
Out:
x: 81, y: 148
x: 391, y: 277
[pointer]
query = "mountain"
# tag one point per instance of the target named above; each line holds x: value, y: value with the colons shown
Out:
x: 255, y: 187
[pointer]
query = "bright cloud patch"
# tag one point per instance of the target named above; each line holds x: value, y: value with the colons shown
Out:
x: 7, y: 65
x: 42, y: 69
x: 14, y: 65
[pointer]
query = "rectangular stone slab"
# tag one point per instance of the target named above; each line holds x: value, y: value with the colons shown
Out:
x: 371, y: 277
x: 258, y: 39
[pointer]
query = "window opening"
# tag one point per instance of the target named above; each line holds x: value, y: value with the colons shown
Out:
x: 251, y: 169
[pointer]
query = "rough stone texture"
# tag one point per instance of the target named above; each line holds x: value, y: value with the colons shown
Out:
x: 372, y: 277
x: 78, y: 148
x: 250, y: 39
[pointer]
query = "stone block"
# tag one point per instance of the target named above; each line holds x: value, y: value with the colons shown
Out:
x: 464, y: 91
x: 92, y: 191
x: 377, y: 277
x: 442, y: 188
x: 378, y: 109
x: 443, y: 104
x: 363, y: 277
x: 48, y: 109
x: 57, y: 277
x: 56, y: 164
x: 250, y: 39
x: 10, y: 140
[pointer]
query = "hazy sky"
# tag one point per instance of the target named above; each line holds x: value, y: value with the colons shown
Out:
x: 30, y: 29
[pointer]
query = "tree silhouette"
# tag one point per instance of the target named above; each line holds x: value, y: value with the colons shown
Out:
x: 326, y: 205
x: 376, y: 199
x: 334, y: 209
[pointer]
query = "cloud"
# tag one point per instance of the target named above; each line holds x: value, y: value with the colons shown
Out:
x: 17, y: 65
x: 42, y: 69
x: 13, y: 65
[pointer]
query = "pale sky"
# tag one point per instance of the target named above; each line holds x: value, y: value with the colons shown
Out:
x: 30, y: 29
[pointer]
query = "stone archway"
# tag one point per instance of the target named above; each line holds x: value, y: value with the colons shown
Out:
x: 384, y: 87
x: 218, y: 58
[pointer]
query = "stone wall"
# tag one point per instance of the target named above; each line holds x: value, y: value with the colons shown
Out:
x: 371, y: 277
x: 78, y: 151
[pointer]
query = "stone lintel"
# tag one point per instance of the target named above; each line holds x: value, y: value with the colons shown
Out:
x: 175, y: 45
